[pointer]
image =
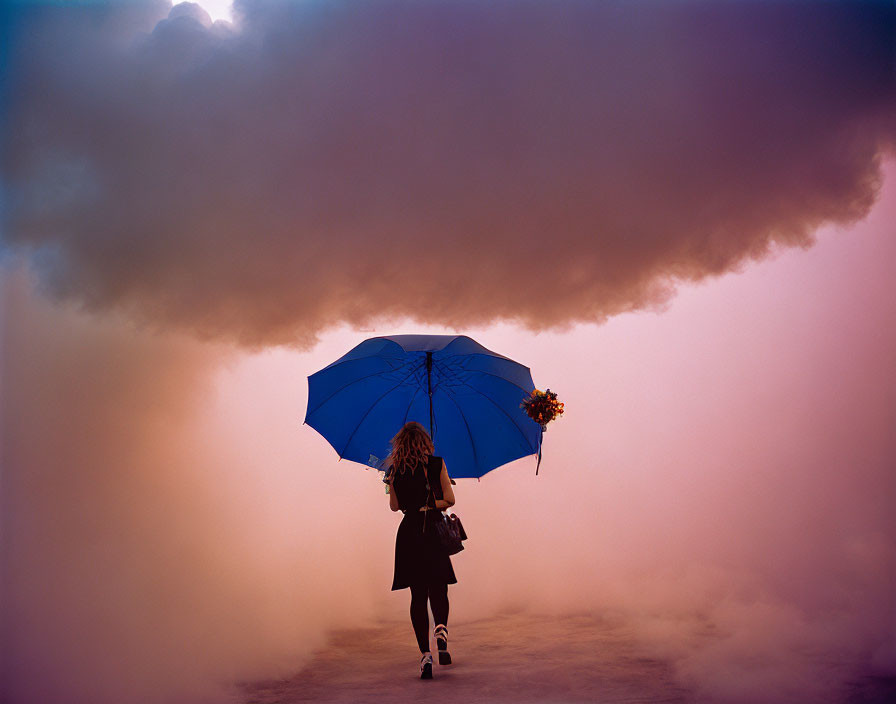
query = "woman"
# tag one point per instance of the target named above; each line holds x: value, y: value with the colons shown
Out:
x: 419, y: 485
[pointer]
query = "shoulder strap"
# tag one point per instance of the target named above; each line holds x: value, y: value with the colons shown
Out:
x: 433, y: 467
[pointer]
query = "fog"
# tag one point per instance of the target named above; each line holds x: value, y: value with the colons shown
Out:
x: 198, y: 215
x: 724, y: 468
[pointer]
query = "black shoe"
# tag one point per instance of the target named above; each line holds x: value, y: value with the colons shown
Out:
x: 426, y: 667
x: 441, y: 634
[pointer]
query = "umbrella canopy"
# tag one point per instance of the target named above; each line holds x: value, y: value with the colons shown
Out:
x: 468, y: 396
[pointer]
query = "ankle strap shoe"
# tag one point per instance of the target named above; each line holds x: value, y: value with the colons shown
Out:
x: 441, y: 634
x: 426, y: 667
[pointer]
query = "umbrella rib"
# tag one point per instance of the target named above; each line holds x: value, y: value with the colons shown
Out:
x: 372, y: 406
x: 410, y: 404
x: 342, y: 388
x: 500, y: 409
x: 497, y: 376
x: 339, y: 363
x: 472, y: 442
x: 493, y: 355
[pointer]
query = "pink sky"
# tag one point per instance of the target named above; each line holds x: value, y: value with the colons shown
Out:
x: 729, y: 457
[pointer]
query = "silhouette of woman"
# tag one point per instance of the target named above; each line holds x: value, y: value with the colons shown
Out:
x: 419, y: 486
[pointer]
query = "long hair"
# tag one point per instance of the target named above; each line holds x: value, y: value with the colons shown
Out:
x: 410, y: 445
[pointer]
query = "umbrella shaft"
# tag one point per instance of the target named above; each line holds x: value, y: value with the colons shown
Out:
x: 429, y: 388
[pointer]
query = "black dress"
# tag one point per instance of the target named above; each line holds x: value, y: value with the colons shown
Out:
x: 419, y: 557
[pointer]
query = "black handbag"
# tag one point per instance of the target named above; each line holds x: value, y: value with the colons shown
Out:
x: 451, y: 533
x: 449, y: 529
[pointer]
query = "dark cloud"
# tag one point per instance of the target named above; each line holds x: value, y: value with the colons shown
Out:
x: 458, y: 163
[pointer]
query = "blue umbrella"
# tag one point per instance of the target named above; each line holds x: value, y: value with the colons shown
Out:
x: 468, y: 396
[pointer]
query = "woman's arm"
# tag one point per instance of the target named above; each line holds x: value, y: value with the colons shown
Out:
x: 447, y: 492
x: 393, y: 499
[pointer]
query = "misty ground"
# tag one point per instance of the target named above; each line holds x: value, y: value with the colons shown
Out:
x: 515, y: 657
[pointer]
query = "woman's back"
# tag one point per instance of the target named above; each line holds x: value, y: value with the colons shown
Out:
x: 410, y: 486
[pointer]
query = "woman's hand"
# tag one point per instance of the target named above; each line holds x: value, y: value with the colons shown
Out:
x: 393, y: 499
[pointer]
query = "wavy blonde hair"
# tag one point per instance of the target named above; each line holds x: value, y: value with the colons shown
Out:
x: 410, y: 445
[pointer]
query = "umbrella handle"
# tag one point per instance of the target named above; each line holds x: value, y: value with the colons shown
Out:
x: 540, y: 436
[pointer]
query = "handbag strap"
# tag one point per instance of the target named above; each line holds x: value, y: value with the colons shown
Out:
x: 428, y: 491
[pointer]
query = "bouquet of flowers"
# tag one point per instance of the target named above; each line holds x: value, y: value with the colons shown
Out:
x: 542, y: 407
